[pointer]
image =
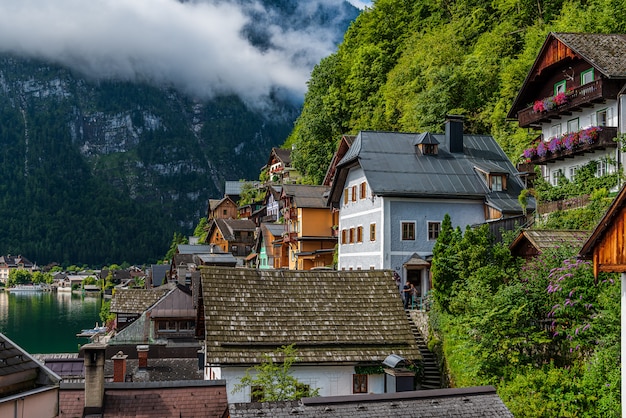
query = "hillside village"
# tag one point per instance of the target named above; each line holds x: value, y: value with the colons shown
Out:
x: 343, y: 270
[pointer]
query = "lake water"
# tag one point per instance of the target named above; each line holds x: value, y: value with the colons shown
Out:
x: 47, y: 322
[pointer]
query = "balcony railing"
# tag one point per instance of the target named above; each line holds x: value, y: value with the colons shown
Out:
x: 583, y: 96
x: 603, y: 141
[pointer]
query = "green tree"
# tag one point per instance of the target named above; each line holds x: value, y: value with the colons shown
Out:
x: 445, y: 263
x: 19, y: 276
x: 270, y: 381
x: 177, y: 239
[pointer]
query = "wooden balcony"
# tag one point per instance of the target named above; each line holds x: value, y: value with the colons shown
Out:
x: 583, y: 96
x: 604, y: 141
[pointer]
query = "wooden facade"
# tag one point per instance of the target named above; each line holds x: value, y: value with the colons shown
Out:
x: 606, y: 245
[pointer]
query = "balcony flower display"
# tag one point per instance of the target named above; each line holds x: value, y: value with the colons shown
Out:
x: 566, y: 142
x: 550, y: 102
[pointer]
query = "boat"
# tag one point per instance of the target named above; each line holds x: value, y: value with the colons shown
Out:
x: 26, y: 288
x: 92, y: 332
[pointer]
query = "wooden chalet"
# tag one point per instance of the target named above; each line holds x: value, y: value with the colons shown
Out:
x: 572, y: 96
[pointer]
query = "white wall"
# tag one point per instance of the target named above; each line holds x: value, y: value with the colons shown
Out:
x: 331, y: 380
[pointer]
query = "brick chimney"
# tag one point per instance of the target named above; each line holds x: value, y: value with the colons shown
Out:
x: 119, y: 367
x: 93, y: 354
x: 142, y: 355
x: 454, y: 133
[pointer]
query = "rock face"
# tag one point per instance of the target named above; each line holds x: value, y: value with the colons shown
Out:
x: 100, y: 171
x: 150, y: 147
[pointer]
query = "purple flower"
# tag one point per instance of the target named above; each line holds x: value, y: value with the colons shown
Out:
x: 542, y: 150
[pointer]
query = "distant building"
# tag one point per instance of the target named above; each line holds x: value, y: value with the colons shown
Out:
x: 222, y: 208
x: 10, y: 262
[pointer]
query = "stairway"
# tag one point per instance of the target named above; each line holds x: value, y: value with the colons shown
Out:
x: 431, y: 377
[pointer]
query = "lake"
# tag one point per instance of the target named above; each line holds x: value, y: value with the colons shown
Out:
x: 47, y: 322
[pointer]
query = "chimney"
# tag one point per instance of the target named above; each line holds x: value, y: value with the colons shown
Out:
x: 142, y: 355
x: 94, y: 377
x: 119, y: 367
x: 454, y: 133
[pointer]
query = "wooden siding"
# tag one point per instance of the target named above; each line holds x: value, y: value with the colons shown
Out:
x: 610, y: 254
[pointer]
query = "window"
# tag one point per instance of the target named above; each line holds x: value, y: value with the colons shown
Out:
x: 496, y: 183
x: 345, y: 196
x: 433, y: 230
x: 559, y: 87
x: 601, y: 117
x: 555, y: 131
x: 586, y: 76
x: 573, y: 125
x: 354, y: 193
x: 601, y: 168
x: 359, y: 383
x: 344, y: 234
x: 225, y: 212
x: 359, y: 234
x: 351, y: 235
x: 556, y: 175
x: 572, y: 172
x: 363, y: 191
x: 372, y: 232
x: 408, y: 231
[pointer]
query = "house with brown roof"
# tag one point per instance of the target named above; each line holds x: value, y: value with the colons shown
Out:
x: 606, y: 248
x: 167, y: 325
x: 279, y: 167
x: 222, y: 208
x: 130, y: 304
x: 342, y: 148
x: 571, y: 97
x: 235, y: 236
x: 27, y: 389
x: 269, y: 245
x: 532, y: 242
x: 472, y: 402
x: 308, y: 240
x: 340, y: 323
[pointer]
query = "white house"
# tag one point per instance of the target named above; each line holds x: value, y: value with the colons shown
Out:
x: 393, y: 189
x: 342, y: 324
x: 573, y: 98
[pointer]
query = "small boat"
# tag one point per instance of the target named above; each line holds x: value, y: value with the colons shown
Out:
x: 92, y: 332
x: 26, y: 288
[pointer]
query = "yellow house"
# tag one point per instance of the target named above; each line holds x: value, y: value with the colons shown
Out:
x: 309, y: 240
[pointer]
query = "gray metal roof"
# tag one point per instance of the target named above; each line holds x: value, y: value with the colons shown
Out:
x: 306, y: 196
x: 473, y: 402
x: 194, y: 249
x: 393, y: 168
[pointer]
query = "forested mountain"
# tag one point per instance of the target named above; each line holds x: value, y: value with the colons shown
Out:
x: 98, y: 170
x: 405, y: 64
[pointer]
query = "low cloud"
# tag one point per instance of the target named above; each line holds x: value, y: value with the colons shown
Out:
x: 196, y: 46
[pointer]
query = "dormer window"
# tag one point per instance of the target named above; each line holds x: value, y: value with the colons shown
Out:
x: 494, y: 179
x: 497, y: 182
x: 426, y: 144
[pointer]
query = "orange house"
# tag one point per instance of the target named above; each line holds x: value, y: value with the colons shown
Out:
x: 308, y: 240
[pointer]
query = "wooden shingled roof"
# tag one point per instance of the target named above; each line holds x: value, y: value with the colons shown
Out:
x: 331, y: 316
x: 137, y: 300
x: 542, y: 239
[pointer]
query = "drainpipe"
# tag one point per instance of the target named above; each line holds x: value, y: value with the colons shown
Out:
x: 620, y: 123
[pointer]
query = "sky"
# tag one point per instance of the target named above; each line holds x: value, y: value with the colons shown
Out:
x: 195, y: 46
